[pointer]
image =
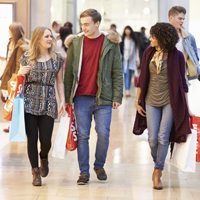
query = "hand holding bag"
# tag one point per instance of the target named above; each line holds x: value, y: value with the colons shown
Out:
x: 184, y: 154
x: 17, y: 131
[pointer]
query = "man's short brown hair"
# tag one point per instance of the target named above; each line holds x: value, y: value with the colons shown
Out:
x: 96, y: 16
x: 176, y: 10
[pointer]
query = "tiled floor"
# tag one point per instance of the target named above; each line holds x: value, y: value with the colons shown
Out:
x: 129, y: 168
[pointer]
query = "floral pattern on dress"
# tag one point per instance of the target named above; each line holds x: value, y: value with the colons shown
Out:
x: 39, y: 87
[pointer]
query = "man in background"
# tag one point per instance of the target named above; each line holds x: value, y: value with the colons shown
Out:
x: 187, y: 44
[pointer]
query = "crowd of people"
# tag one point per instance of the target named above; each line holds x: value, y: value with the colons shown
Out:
x: 92, y: 73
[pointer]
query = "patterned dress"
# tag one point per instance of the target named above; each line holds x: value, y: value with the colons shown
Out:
x: 39, y: 90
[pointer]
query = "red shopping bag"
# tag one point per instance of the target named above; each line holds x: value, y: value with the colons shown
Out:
x: 72, y: 140
x: 195, y: 121
x: 15, y: 85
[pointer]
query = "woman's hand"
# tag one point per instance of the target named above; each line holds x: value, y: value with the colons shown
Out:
x: 62, y: 111
x: 140, y: 110
x: 23, y: 70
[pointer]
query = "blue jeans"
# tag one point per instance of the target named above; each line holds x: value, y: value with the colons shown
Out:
x: 127, y: 78
x: 85, y: 107
x: 159, y: 125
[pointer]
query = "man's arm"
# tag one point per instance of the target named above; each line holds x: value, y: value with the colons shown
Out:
x: 68, y: 76
x: 117, y: 77
x: 194, y: 45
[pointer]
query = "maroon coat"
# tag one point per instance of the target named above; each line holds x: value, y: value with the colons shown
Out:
x: 177, y: 89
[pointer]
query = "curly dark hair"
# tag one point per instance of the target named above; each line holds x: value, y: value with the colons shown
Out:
x: 166, y: 35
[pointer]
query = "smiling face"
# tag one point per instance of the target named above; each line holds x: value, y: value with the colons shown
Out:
x: 89, y: 27
x: 46, y: 40
x: 177, y: 20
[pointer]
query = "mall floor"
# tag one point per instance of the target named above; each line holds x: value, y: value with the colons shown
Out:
x: 129, y: 167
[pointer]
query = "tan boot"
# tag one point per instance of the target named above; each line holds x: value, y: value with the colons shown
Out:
x: 36, y: 177
x: 44, y: 167
x: 156, y: 177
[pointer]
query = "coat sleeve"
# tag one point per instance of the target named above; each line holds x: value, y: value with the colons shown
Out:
x: 19, y: 54
x: 117, y: 76
x: 68, y: 76
x: 193, y: 44
x: 182, y: 67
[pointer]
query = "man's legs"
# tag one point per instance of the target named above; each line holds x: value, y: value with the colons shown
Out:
x: 83, y: 107
x: 102, y: 116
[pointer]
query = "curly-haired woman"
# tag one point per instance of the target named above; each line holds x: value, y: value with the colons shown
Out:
x: 161, y: 100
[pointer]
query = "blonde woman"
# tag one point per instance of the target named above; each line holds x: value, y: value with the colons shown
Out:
x: 42, y: 67
x: 17, y: 45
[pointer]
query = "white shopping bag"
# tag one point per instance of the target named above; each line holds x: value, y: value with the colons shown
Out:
x: 184, y: 154
x: 59, y: 146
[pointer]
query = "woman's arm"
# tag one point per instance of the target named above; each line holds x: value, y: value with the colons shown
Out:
x: 60, y: 89
x: 139, y: 108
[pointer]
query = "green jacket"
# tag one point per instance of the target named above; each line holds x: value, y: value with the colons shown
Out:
x: 109, y: 78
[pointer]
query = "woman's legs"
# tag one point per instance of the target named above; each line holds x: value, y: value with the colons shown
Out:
x: 159, y: 123
x: 46, y: 124
x: 31, y: 124
x: 43, y: 124
x: 127, y: 81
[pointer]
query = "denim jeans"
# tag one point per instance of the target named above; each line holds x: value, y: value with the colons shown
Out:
x: 127, y: 78
x: 159, y: 125
x: 85, y: 107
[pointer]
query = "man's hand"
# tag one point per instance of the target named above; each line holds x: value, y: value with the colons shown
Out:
x: 115, y: 105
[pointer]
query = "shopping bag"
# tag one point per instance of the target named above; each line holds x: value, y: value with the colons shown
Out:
x: 59, y: 145
x: 195, y: 121
x: 17, y: 128
x: 14, y: 88
x: 72, y: 137
x: 184, y: 154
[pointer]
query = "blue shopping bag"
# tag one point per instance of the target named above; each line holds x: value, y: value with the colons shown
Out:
x: 17, y: 131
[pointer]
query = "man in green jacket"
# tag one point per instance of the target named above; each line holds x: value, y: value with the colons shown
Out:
x: 94, y: 83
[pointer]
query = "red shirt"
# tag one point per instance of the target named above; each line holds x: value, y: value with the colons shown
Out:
x: 90, y: 66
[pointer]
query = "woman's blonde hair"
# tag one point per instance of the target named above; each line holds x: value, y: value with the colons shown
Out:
x: 17, y: 32
x: 34, y: 50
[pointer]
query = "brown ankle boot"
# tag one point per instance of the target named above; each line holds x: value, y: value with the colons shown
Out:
x: 36, y: 177
x: 156, y: 177
x: 44, y: 167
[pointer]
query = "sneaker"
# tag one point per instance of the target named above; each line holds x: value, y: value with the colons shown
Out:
x: 101, y: 174
x: 83, y: 179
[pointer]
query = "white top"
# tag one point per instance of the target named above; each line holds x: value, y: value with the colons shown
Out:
x: 179, y: 45
x: 129, y: 47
